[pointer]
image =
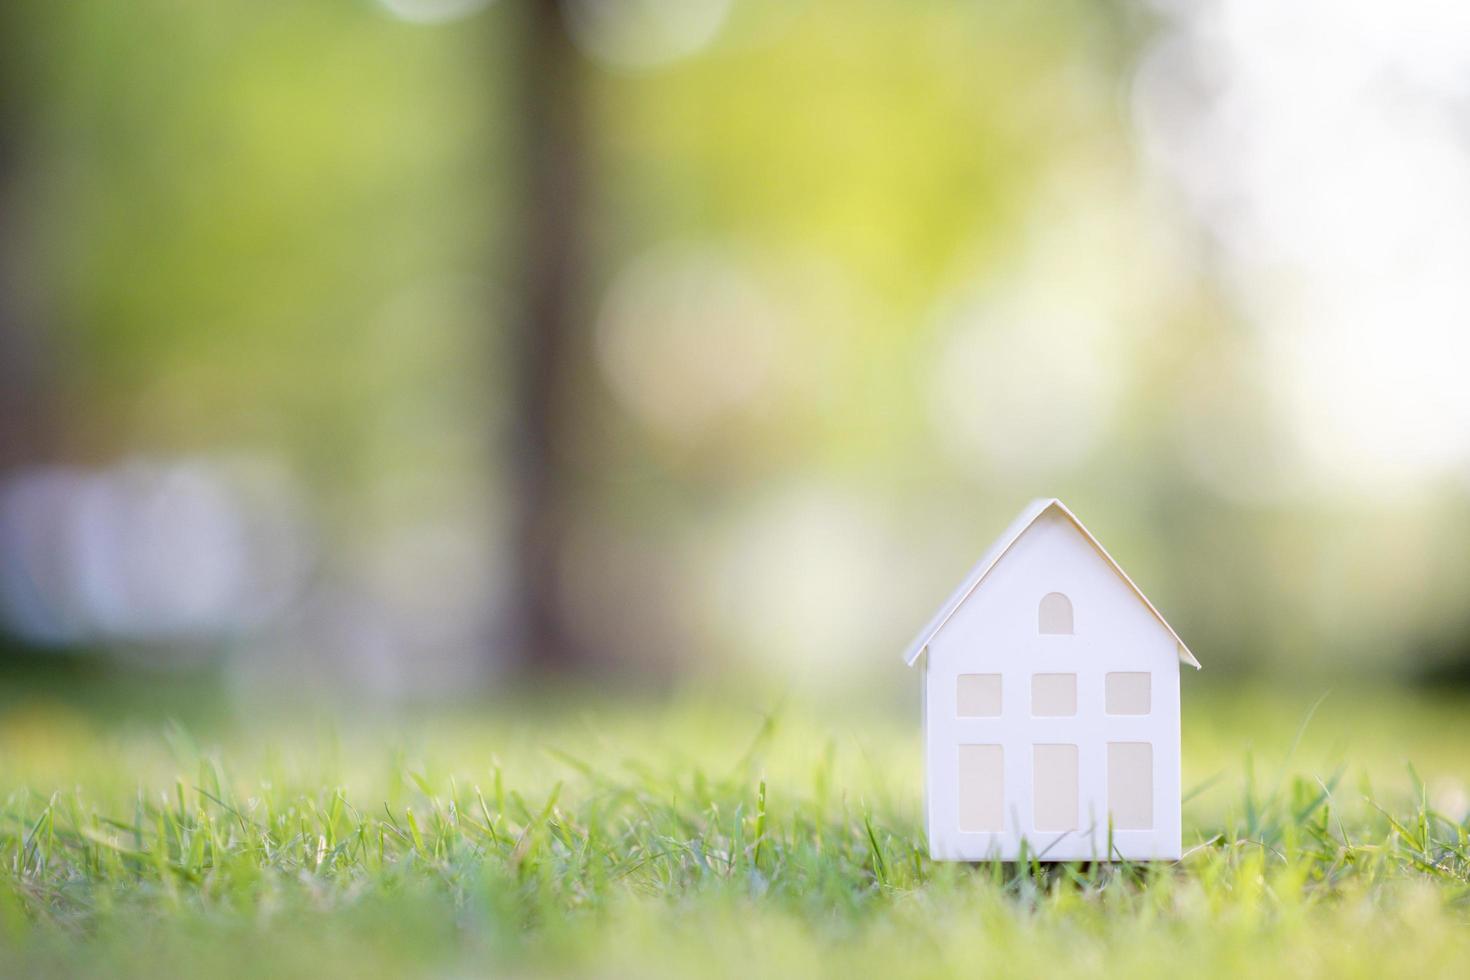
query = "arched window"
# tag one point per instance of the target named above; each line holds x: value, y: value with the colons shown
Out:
x: 1054, y: 614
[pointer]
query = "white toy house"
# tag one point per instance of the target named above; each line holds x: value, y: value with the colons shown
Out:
x: 1051, y: 705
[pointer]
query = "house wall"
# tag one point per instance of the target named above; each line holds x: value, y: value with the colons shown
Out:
x: 995, y: 631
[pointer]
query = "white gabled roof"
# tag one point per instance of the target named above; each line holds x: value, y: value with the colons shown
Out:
x: 1002, y: 544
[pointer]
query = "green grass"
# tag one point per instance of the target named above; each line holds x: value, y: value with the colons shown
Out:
x: 706, y: 834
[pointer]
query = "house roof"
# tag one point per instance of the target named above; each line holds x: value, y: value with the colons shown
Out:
x: 1003, y: 544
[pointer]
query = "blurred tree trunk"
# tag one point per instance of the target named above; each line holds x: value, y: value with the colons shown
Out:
x: 548, y: 248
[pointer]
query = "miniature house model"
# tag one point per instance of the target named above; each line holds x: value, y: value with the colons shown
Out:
x: 1051, y: 705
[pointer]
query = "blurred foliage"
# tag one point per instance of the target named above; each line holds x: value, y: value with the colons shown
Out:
x: 287, y: 229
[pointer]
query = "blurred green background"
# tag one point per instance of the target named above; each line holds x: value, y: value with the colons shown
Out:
x: 396, y: 350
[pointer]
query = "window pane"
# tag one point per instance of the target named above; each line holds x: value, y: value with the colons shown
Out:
x: 1054, y: 768
x: 1054, y: 615
x: 982, y: 788
x: 978, y: 696
x: 1053, y: 695
x: 1131, y: 785
x: 1129, y: 694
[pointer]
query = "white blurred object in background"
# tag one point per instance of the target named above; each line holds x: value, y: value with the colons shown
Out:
x: 162, y: 554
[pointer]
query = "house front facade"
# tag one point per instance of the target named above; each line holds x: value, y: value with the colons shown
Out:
x: 1051, y: 705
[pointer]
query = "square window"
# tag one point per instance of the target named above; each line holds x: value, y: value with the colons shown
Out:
x: 978, y: 696
x: 1053, y: 695
x: 1131, y: 785
x: 982, y: 788
x: 1054, y: 772
x: 1129, y: 694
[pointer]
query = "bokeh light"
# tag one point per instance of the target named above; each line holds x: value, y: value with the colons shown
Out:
x: 643, y: 34
x: 433, y: 11
x: 687, y: 337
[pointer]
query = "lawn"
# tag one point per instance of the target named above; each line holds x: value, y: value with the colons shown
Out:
x: 704, y: 832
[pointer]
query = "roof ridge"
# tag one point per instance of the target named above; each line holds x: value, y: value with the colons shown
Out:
x: 998, y: 549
